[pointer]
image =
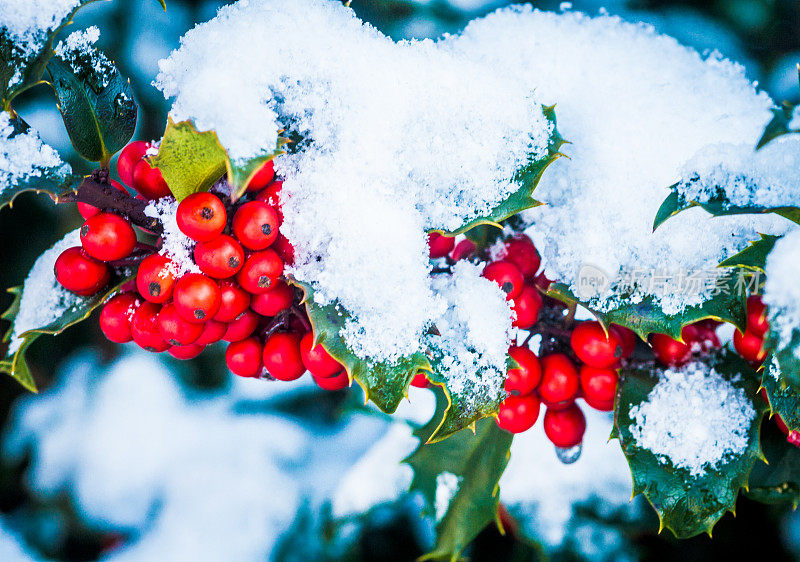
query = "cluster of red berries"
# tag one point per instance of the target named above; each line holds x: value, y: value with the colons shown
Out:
x: 238, y: 296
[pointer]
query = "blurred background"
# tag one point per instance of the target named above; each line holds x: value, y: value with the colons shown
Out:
x: 124, y: 455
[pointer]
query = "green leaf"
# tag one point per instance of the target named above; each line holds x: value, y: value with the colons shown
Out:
x: 527, y: 178
x: 189, y: 160
x: 687, y: 505
x: 240, y: 173
x: 648, y: 317
x: 778, y: 480
x: 163, y: 4
x: 53, y: 180
x: 96, y: 103
x: 783, y: 396
x: 786, y: 355
x: 778, y: 125
x: 383, y: 383
x: 477, y: 461
x: 754, y: 256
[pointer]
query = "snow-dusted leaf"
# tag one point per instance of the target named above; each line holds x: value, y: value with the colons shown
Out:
x: 27, y: 164
x: 95, y: 100
x: 459, y: 480
x: 779, y: 124
x: 648, y: 317
x: 754, y: 256
x: 778, y: 480
x: 703, y: 426
x: 527, y: 178
x: 783, y: 396
x: 240, y: 173
x: 189, y: 160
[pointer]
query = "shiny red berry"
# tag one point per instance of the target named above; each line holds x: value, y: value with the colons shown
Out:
x: 628, y: 338
x: 272, y: 197
x: 518, y: 413
x: 560, y: 381
x: 526, y: 305
x: 262, y: 177
x: 242, y: 327
x: 80, y: 273
x: 145, y: 330
x: 155, y: 279
x: 149, y: 182
x: 565, y: 428
x: 197, y: 298
x: 282, y: 356
x: 115, y: 318
x: 521, y: 252
x: 757, y: 315
x: 174, y: 329
x: 88, y: 211
x: 594, y: 347
x: 316, y: 359
x: 750, y: 346
x: 233, y: 301
x: 255, y: 225
x: 599, y: 387
x: 201, y: 216
x: 284, y: 249
x: 212, y: 332
x: 463, y: 250
x: 670, y: 351
x: 507, y: 276
x: 277, y: 299
x: 260, y: 272
x: 219, y: 258
x: 420, y: 381
x: 526, y: 377
x: 128, y: 158
x: 186, y: 352
x: 244, y: 357
x: 108, y: 237
x: 439, y: 245
x: 336, y: 382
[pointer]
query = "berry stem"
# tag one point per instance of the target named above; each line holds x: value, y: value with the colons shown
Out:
x: 300, y: 316
x: 97, y: 191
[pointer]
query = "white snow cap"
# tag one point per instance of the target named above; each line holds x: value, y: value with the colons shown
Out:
x: 28, y: 21
x: 24, y: 156
x: 694, y: 419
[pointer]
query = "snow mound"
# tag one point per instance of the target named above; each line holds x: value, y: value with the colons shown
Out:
x: 24, y: 156
x: 27, y: 21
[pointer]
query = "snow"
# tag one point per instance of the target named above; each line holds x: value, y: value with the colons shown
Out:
x: 447, y: 485
x: 43, y: 298
x: 175, y: 245
x: 12, y: 549
x: 769, y: 177
x: 28, y: 21
x: 693, y: 419
x: 78, y: 51
x: 782, y: 291
x: 24, y: 157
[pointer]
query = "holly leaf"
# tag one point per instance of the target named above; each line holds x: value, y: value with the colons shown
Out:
x: 467, y: 468
x: 48, y: 177
x: 779, y: 124
x: 648, y: 317
x: 687, y: 505
x: 754, y: 256
x: 783, y: 397
x: 385, y: 384
x: 527, y: 178
x: 189, y: 160
x: 96, y: 103
x: 163, y: 4
x: 240, y: 173
x: 776, y: 481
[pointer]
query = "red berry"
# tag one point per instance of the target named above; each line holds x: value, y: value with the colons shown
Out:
x: 155, y: 279
x: 174, y: 329
x: 565, y: 428
x: 128, y: 158
x: 80, y: 273
x: 277, y: 299
x: 219, y: 258
x: 260, y: 272
x: 262, y: 177
x: 670, y: 351
x: 699, y: 338
x: 115, y: 318
x: 518, y: 413
x: 599, y: 387
x: 255, y: 225
x: 316, y: 358
x: 525, y: 378
x: 212, y: 332
x: 526, y: 305
x: 420, y: 381
x: 108, y: 237
x: 627, y: 337
x: 243, y: 327
x: 185, y: 352
x: 336, y: 382
x: 507, y: 276
x: 592, y: 346
x: 88, y: 211
x: 439, y: 245
x: 284, y: 249
x: 149, y: 182
x: 560, y: 381
x: 757, y: 315
x: 144, y: 328
x: 201, y: 216
x: 233, y: 301
x: 463, y: 250
x: 197, y: 298
x: 272, y: 197
x: 750, y: 346
x: 521, y: 252
x: 282, y: 357
x: 244, y: 357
